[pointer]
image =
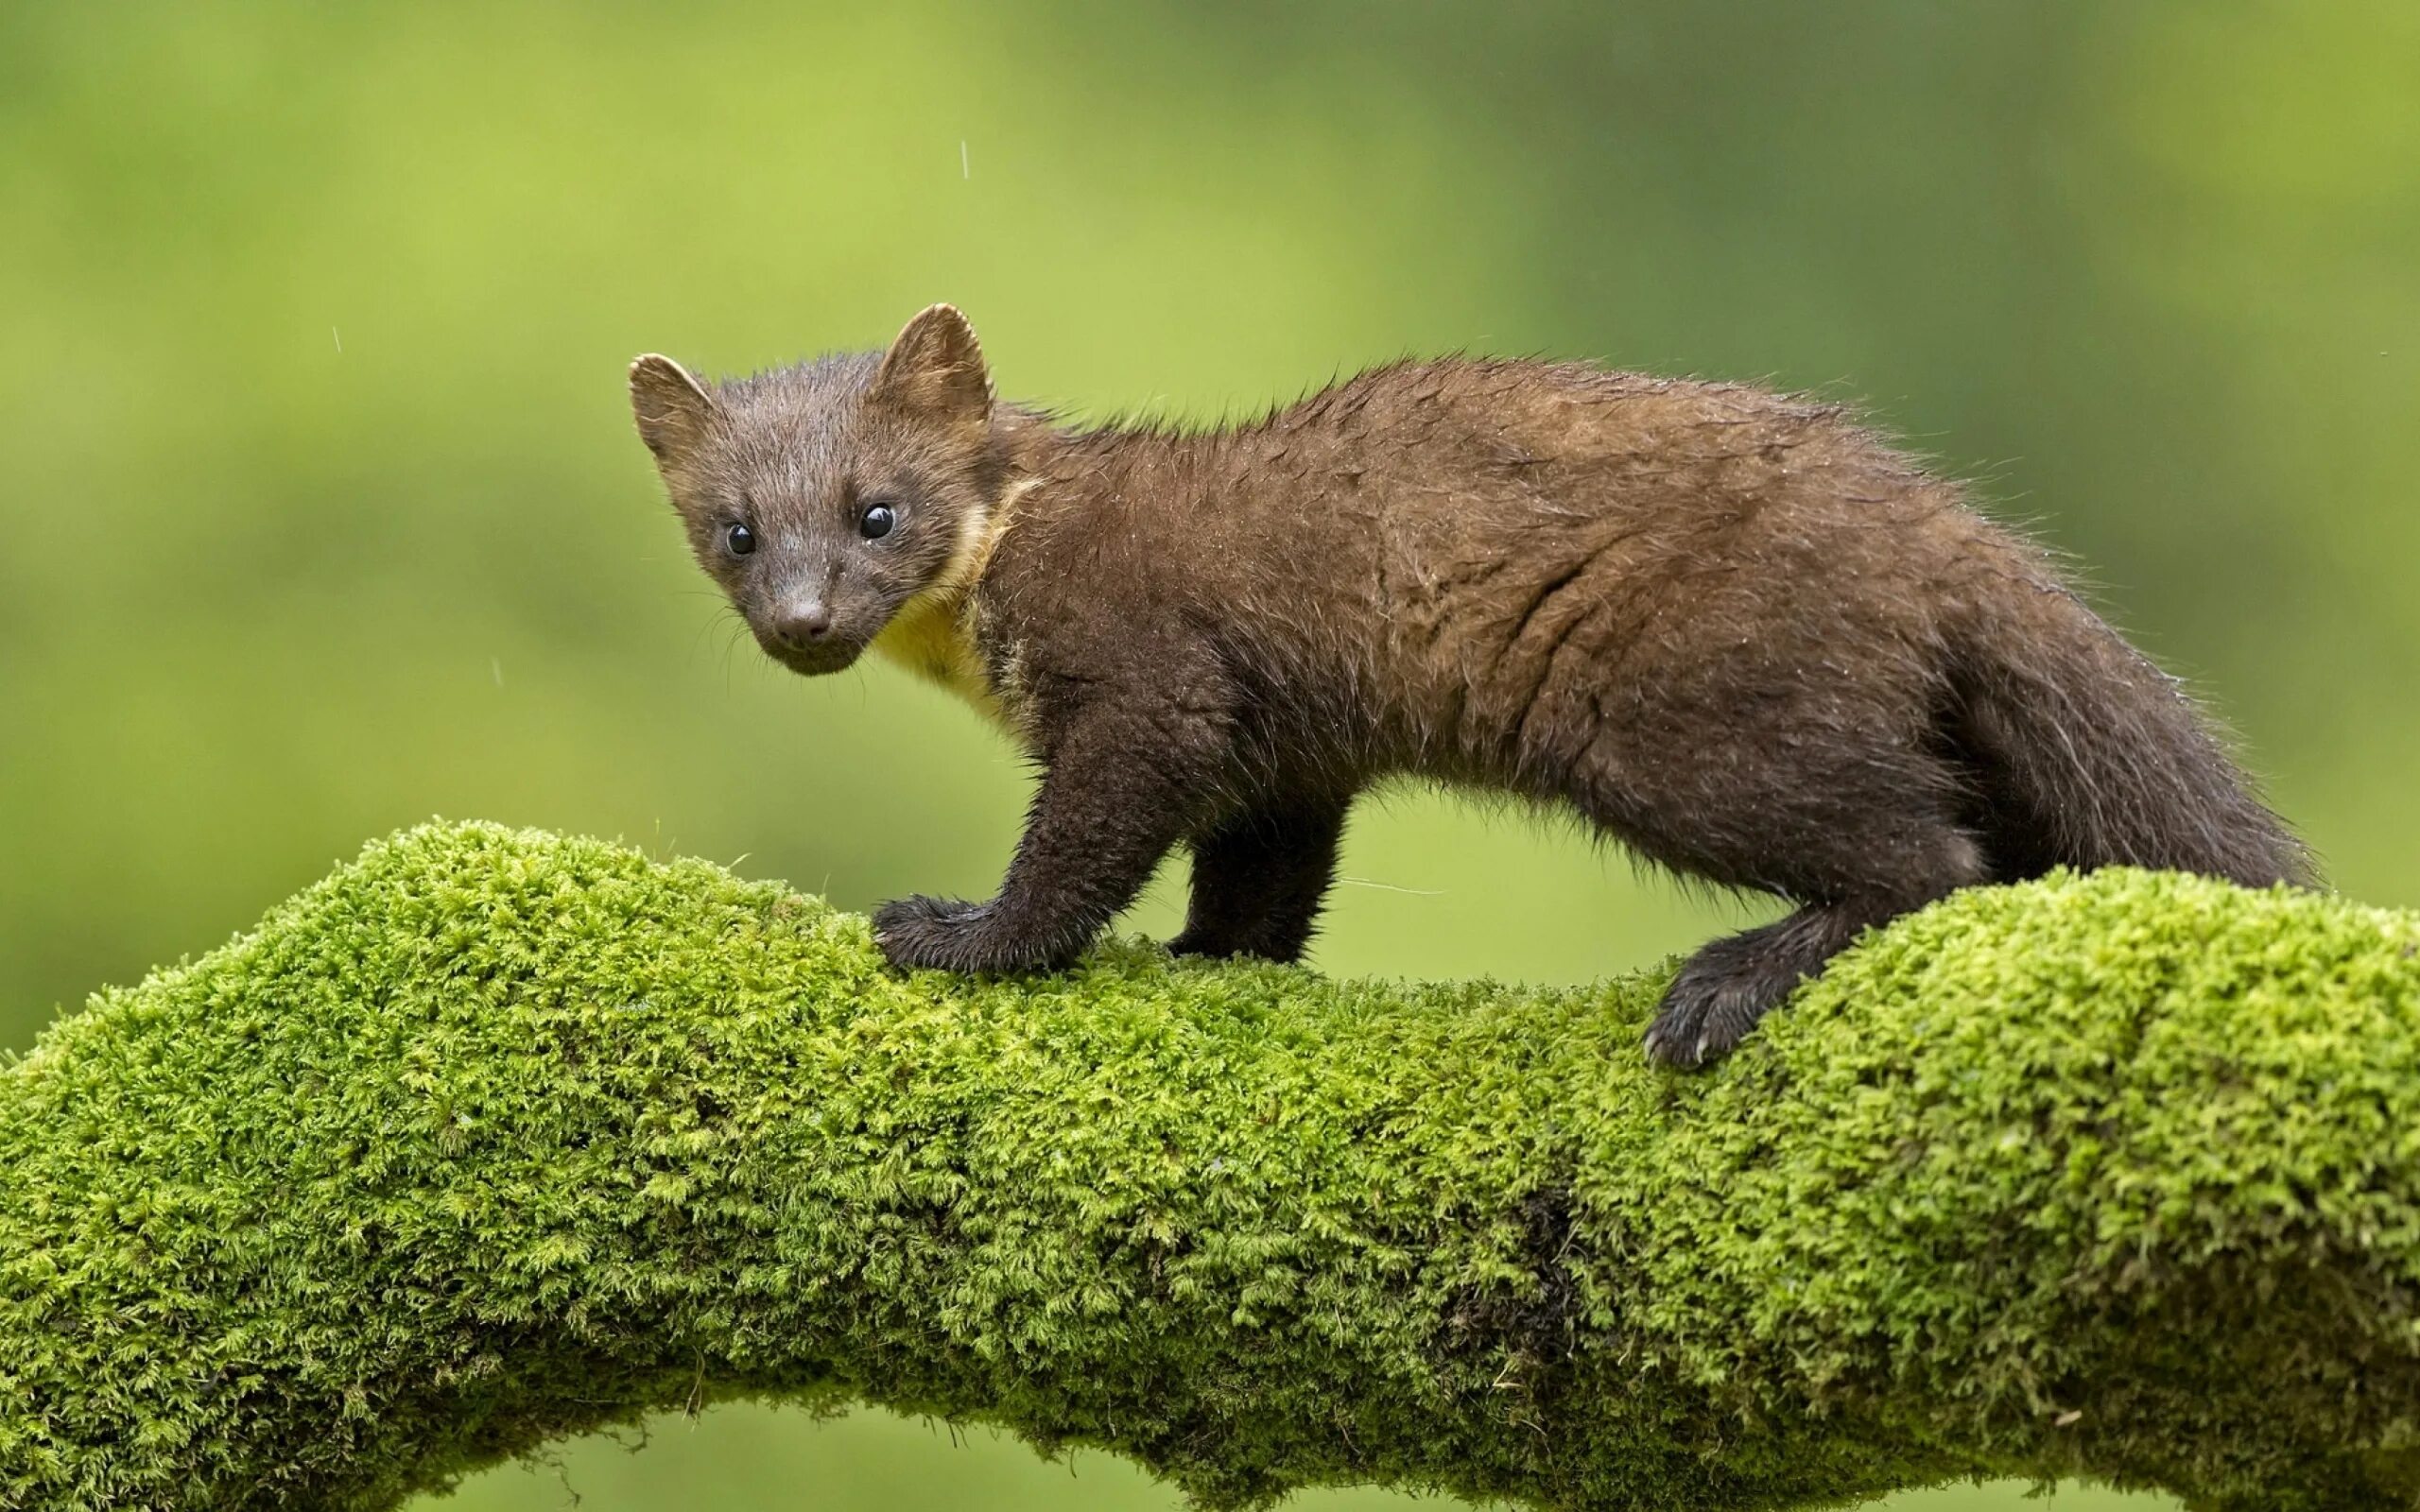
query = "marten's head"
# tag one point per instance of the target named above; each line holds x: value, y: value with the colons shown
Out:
x: 828, y: 497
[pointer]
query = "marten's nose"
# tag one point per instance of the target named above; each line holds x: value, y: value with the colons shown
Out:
x: 801, y: 624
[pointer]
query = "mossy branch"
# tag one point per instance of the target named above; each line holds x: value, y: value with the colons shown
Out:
x: 495, y: 1137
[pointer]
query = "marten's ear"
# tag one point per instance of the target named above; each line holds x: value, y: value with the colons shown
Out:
x: 672, y: 409
x: 936, y: 367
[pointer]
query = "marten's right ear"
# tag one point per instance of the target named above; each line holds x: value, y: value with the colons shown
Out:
x: 672, y: 409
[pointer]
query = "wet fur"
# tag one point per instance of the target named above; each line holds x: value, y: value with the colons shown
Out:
x: 1727, y: 628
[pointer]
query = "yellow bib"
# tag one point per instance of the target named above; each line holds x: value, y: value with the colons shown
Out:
x: 933, y: 636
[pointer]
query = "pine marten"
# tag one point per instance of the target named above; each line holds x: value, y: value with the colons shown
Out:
x: 1728, y: 627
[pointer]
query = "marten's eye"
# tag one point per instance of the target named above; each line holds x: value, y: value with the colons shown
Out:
x: 877, y: 520
x: 738, y: 539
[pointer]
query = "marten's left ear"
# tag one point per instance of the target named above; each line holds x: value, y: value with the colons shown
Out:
x: 936, y: 367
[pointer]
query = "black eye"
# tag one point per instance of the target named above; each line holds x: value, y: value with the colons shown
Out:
x: 877, y: 520
x: 739, y: 539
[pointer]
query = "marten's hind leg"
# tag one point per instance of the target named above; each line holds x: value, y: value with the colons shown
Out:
x: 1849, y: 820
x: 1258, y: 880
x: 1731, y: 982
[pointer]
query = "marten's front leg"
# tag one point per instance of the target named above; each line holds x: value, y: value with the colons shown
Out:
x: 1258, y: 879
x: 1127, y: 775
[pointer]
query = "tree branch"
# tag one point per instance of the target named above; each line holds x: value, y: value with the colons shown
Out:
x: 495, y: 1137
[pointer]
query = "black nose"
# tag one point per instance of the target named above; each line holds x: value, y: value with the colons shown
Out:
x: 802, y: 623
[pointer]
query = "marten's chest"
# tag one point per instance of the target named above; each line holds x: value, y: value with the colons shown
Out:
x: 933, y: 637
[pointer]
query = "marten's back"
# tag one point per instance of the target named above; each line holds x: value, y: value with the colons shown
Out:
x: 1467, y: 567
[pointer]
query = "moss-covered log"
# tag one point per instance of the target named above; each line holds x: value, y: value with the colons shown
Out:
x: 494, y: 1137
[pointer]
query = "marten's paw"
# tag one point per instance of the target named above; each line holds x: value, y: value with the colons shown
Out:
x: 1717, y: 997
x: 938, y: 933
x: 952, y: 934
x: 1206, y: 943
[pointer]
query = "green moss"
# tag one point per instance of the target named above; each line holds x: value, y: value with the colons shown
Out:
x: 494, y: 1137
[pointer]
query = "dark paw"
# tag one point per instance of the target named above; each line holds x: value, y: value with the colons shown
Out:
x: 1204, y: 944
x: 1212, y: 947
x: 1712, y: 1005
x: 939, y: 934
x: 950, y: 935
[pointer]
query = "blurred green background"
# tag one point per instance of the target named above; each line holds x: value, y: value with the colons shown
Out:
x: 320, y: 514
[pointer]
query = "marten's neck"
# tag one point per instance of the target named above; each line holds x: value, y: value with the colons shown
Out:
x: 933, y: 634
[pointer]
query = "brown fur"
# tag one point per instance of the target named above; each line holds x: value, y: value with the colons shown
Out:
x: 1727, y: 628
